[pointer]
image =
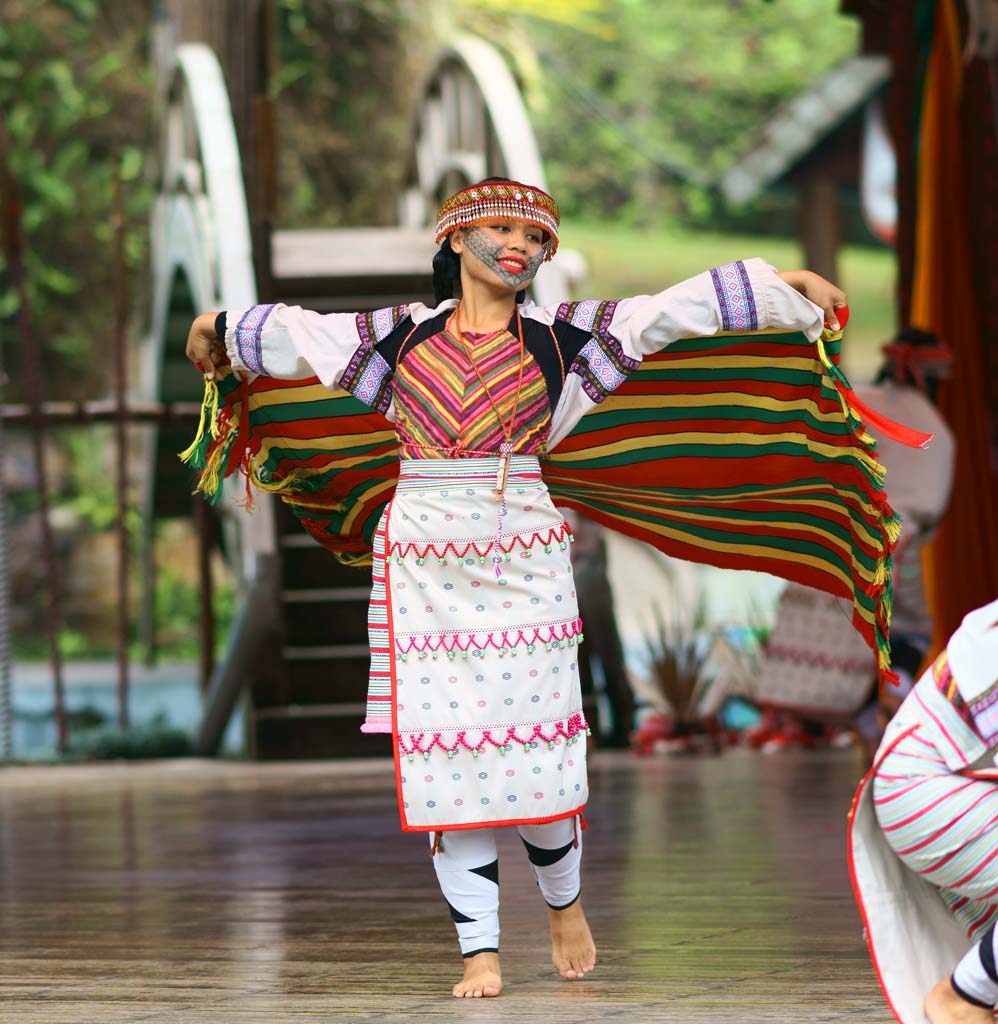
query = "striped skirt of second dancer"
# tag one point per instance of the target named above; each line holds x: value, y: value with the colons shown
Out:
x: 942, y: 825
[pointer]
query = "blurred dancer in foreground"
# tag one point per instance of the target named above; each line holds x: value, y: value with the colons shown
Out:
x: 924, y: 838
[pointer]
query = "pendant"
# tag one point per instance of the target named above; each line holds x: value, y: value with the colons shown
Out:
x: 502, y: 473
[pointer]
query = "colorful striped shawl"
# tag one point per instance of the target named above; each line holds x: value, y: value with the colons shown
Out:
x: 740, y: 451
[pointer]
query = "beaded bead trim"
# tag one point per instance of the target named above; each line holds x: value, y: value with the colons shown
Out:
x: 734, y: 296
x: 467, y: 552
x: 569, y: 730
x: 480, y: 203
x: 249, y: 338
x: 369, y: 379
x: 476, y: 644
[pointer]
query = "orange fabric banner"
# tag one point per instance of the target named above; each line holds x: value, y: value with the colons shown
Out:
x: 962, y: 569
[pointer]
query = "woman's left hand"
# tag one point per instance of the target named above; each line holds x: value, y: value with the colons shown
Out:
x: 821, y: 292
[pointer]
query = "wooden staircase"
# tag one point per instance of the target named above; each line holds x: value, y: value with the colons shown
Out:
x: 313, y: 705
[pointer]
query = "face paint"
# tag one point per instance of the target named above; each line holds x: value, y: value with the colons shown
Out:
x: 490, y: 251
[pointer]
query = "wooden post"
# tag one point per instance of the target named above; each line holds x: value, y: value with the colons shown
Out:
x: 120, y: 286
x: 6, y: 683
x: 12, y: 238
x: 818, y: 210
x: 206, y: 612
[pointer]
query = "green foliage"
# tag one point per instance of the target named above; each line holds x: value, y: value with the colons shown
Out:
x: 626, y: 261
x: 154, y: 739
x: 75, y: 92
x: 344, y: 94
x: 177, y: 606
x: 671, y: 94
x: 679, y: 654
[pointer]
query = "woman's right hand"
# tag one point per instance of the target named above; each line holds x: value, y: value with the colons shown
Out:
x: 204, y: 347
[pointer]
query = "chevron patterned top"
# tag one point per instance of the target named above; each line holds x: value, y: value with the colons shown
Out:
x: 444, y: 412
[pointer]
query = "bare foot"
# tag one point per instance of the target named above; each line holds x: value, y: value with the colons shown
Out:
x: 944, y: 1006
x: 573, y: 951
x: 482, y: 977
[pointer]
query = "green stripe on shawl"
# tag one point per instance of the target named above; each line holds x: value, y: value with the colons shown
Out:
x: 699, y: 476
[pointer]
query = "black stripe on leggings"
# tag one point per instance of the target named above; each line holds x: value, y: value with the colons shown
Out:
x: 489, y: 871
x: 457, y: 917
x: 987, y: 948
x: 970, y: 999
x: 544, y: 858
x: 565, y: 906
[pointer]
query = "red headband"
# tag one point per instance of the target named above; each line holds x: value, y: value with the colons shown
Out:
x: 478, y: 204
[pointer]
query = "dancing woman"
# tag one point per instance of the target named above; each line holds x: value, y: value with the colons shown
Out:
x: 473, y: 617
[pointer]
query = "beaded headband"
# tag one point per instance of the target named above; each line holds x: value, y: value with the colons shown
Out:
x: 478, y: 204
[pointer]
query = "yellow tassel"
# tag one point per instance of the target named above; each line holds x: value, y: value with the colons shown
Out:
x: 357, y: 561
x: 212, y: 387
x: 210, y: 479
x: 823, y: 354
x: 276, y: 486
x: 893, y: 528
x: 209, y: 411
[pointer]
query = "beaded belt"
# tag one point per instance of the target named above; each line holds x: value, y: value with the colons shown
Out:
x: 439, y: 474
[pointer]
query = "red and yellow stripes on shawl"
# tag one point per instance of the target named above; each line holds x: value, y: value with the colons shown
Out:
x: 331, y: 459
x: 735, y: 451
x: 441, y: 404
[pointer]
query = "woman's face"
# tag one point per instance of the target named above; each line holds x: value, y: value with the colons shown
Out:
x: 505, y: 250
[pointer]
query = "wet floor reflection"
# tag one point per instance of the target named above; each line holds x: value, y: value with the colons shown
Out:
x: 216, y: 892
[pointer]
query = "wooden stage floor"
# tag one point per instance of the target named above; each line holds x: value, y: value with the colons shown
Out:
x: 229, y: 893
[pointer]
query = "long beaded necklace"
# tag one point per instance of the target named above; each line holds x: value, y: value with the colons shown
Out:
x: 506, y: 447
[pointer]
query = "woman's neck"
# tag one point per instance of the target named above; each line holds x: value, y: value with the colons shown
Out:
x: 481, y: 314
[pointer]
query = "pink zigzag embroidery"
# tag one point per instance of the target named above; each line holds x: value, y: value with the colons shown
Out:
x: 567, y: 634
x: 568, y: 730
x: 556, y: 534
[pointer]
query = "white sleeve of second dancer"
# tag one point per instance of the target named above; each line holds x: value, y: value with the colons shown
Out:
x: 737, y: 297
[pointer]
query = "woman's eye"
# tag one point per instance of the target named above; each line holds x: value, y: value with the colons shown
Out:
x: 500, y: 227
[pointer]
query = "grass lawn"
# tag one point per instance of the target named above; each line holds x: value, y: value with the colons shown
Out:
x: 623, y: 261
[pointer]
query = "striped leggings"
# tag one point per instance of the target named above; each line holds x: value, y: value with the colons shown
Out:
x: 944, y: 826
x: 467, y: 866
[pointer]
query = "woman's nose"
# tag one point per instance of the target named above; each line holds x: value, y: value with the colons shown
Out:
x: 518, y: 240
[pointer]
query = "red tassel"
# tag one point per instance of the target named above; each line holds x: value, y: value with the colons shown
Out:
x: 889, y: 428
x: 579, y: 824
x: 438, y: 844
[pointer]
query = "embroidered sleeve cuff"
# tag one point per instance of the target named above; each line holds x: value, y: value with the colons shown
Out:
x: 735, y: 292
x: 244, y: 338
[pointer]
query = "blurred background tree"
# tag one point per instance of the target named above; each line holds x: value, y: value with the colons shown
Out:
x: 636, y: 104
x: 76, y: 96
x: 344, y: 92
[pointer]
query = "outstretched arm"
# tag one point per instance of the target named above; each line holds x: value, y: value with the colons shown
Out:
x: 279, y: 341
x: 741, y: 297
x: 821, y: 292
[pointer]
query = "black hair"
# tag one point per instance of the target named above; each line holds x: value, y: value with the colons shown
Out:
x: 447, y: 265
x: 917, y: 339
x: 446, y: 272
